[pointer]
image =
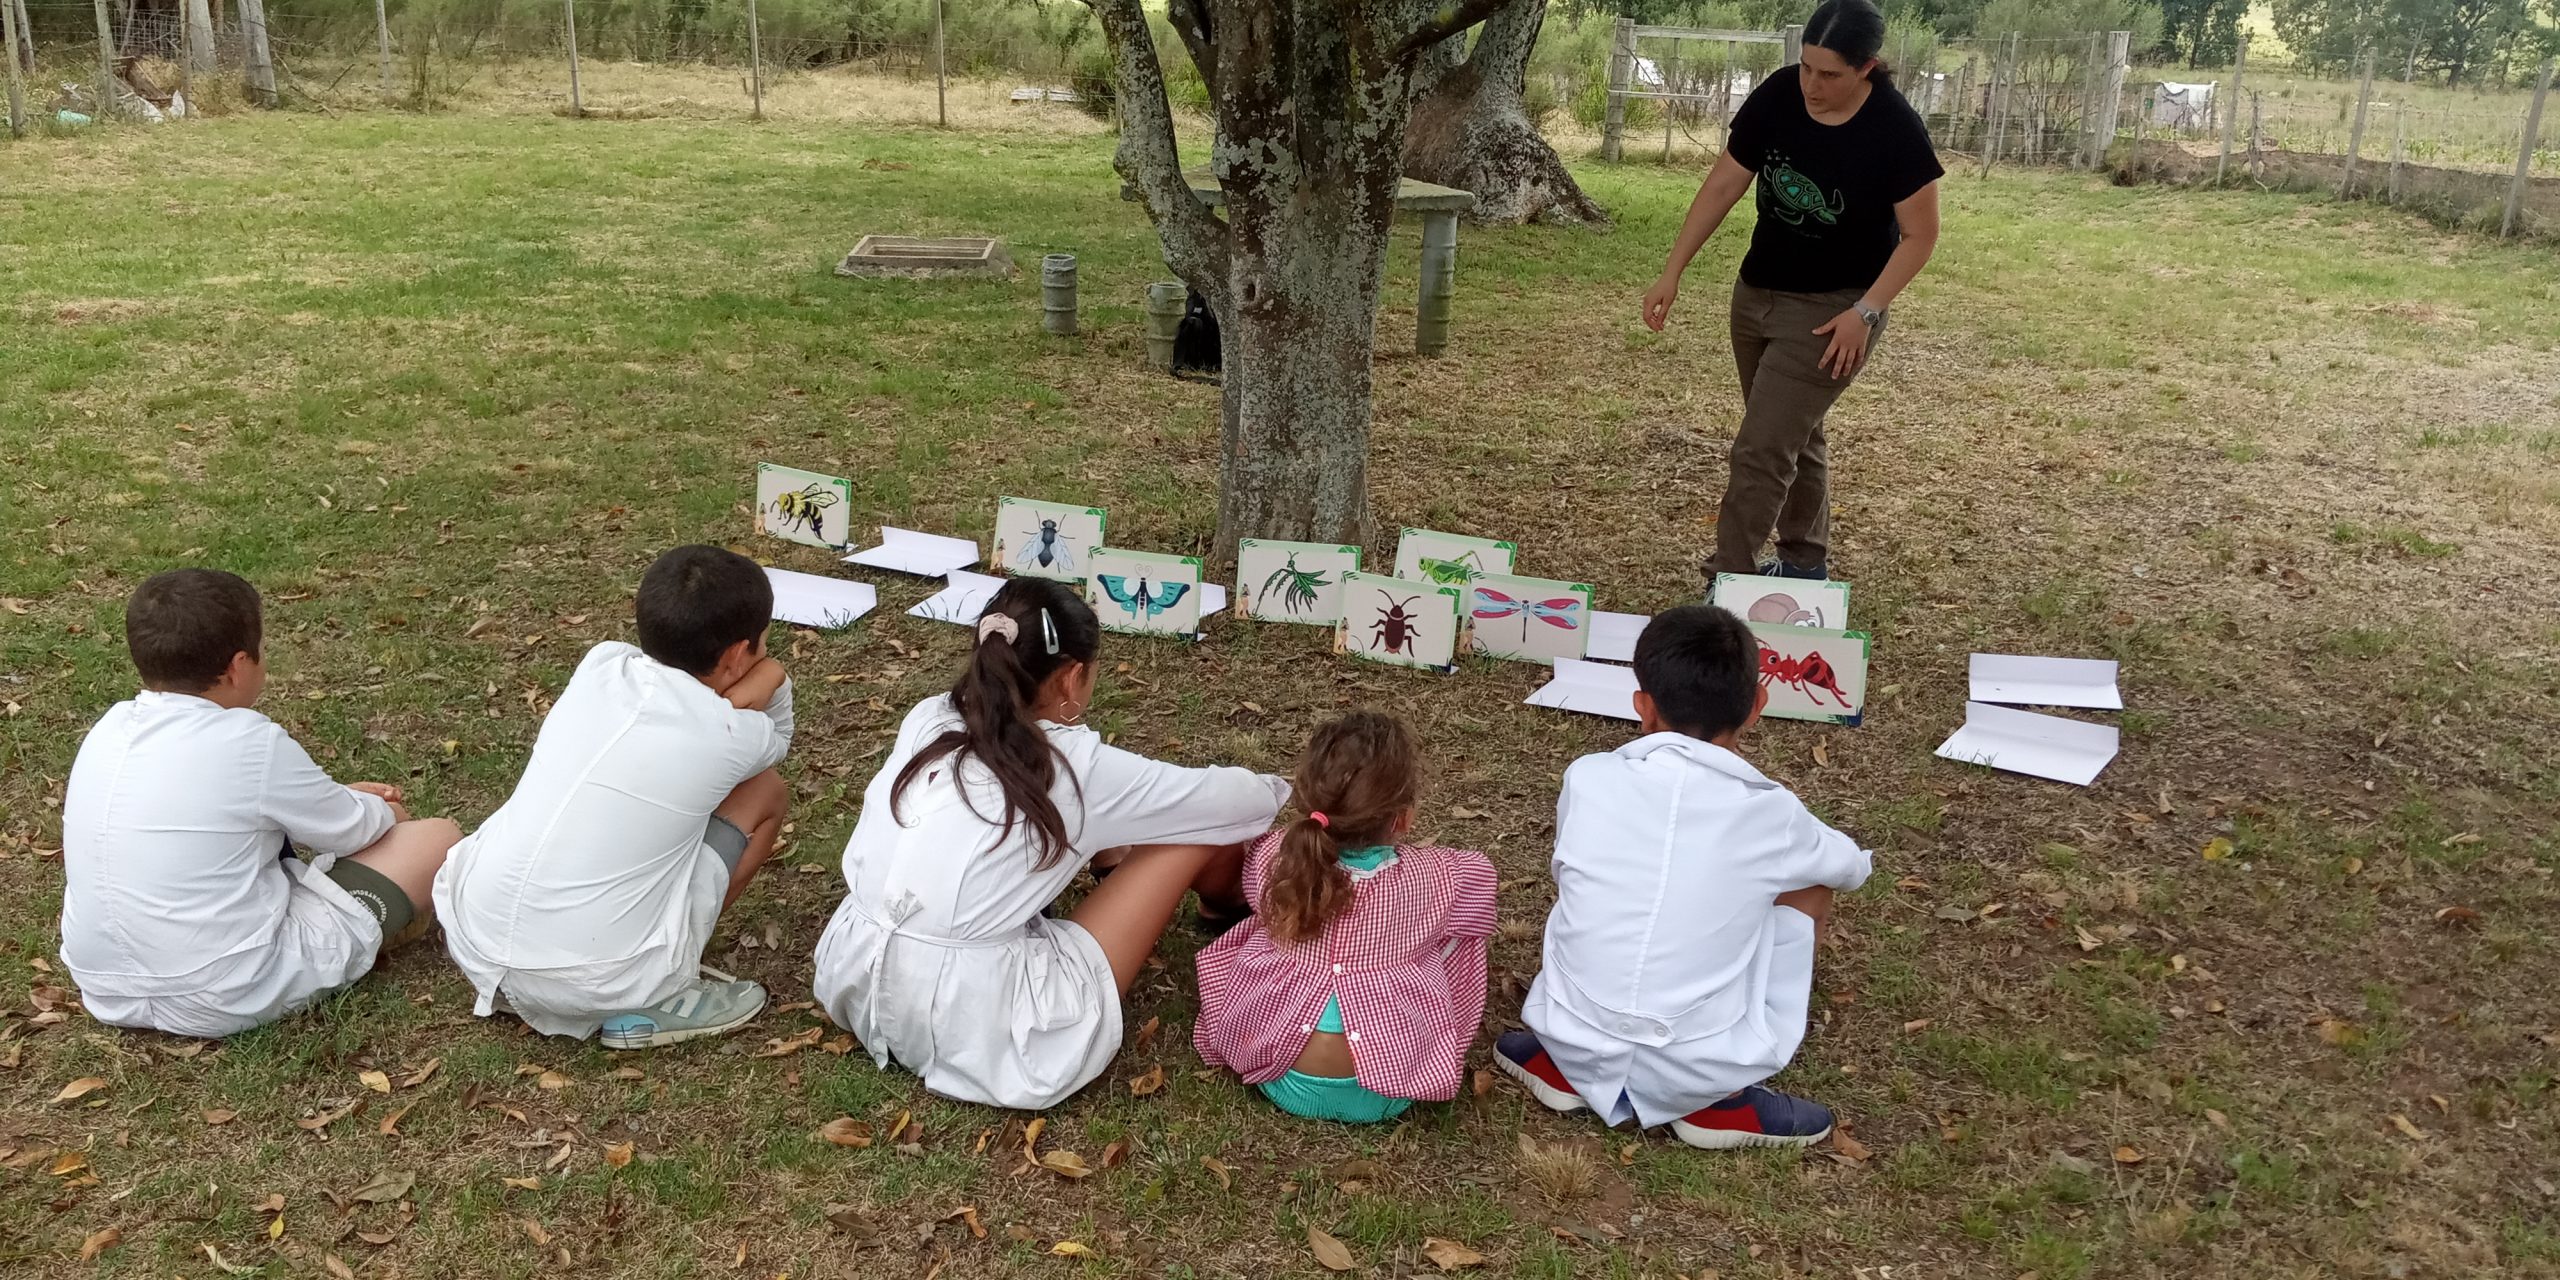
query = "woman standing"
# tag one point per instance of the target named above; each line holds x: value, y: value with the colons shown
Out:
x: 1848, y: 204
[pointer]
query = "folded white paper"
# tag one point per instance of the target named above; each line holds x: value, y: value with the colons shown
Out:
x: 963, y: 597
x: 2046, y: 682
x: 1613, y: 636
x: 1593, y: 688
x: 926, y: 555
x: 808, y: 600
x: 1213, y: 599
x: 2037, y: 745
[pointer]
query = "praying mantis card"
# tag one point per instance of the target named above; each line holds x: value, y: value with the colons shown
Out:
x: 1787, y: 602
x: 1045, y: 539
x: 1144, y: 592
x: 1528, y: 619
x: 804, y: 506
x: 1410, y: 624
x: 1292, y: 581
x: 1458, y: 558
x: 1812, y: 673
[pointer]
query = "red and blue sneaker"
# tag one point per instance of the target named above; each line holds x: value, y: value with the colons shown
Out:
x: 1755, y: 1117
x: 1522, y: 1058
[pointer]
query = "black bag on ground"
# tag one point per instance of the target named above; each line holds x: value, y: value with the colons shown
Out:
x: 1195, y: 342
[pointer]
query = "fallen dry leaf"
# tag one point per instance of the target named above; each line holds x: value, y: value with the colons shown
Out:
x: 422, y: 1074
x: 1065, y: 1164
x: 791, y: 1044
x: 375, y: 1080
x: 1218, y: 1170
x: 2217, y: 849
x: 522, y: 1184
x: 1917, y: 1025
x: 2457, y: 916
x: 224, y: 1265
x: 67, y: 1164
x: 552, y: 1080
x: 533, y: 1231
x: 1146, y: 1035
x: 274, y: 1203
x: 336, y: 1268
x: 840, y: 1046
x: 1070, y: 1249
x: 316, y: 1123
x: 1483, y: 1082
x: 967, y: 1215
x: 2088, y: 941
x: 384, y: 1188
x: 618, y: 1154
x: 1331, y: 1254
x: 1449, y: 1255
x: 845, y: 1131
x: 1031, y: 1136
x: 2216, y: 1118
x: 99, y: 1242
x: 1358, y: 1175
x: 1822, y: 754
x: 2339, y: 1033
x: 1150, y: 1083
x: 1850, y: 1148
x: 1115, y: 1155
x: 626, y: 1073
x: 390, y: 1125
x: 2403, y: 1124
x: 220, y: 1116
x: 80, y: 1088
x: 2128, y: 1155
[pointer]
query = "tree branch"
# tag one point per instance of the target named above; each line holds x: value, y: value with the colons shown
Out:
x: 1190, y: 19
x: 1451, y: 18
x: 1149, y: 160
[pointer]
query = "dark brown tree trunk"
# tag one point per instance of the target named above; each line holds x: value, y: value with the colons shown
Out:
x: 1472, y: 131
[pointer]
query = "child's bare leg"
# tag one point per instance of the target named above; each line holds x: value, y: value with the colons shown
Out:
x: 1127, y: 913
x: 1814, y: 901
x: 409, y: 855
x: 757, y: 806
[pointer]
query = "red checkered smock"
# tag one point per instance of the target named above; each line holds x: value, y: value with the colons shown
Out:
x: 1407, y: 962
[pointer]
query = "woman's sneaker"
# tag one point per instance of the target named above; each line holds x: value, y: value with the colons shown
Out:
x: 1776, y: 568
x: 1522, y: 1058
x: 714, y: 1003
x: 1755, y: 1117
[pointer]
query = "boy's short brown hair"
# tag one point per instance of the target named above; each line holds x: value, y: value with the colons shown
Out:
x: 183, y: 627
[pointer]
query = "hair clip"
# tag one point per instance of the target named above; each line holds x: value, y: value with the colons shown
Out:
x: 1049, y: 632
x: 998, y: 624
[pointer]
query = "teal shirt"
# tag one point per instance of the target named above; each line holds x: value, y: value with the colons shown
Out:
x: 1343, y: 1098
x: 1358, y: 860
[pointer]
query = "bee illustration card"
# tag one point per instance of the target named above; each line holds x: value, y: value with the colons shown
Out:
x: 1788, y: 602
x: 803, y: 506
x: 1144, y: 592
x: 1812, y: 673
x: 1292, y: 581
x: 1528, y: 619
x: 1045, y: 539
x: 1460, y: 557
x: 1411, y: 624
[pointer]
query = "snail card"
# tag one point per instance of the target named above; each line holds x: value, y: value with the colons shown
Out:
x: 1812, y: 673
x: 804, y: 506
x: 1045, y: 539
x: 1459, y: 557
x: 1144, y: 592
x: 1528, y: 619
x: 1292, y: 581
x: 1787, y: 602
x: 1411, y: 624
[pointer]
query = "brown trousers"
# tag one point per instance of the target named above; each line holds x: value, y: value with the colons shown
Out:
x: 1780, y: 478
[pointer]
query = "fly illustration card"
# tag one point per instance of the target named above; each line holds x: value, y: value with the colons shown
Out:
x: 1045, y: 539
x: 1144, y: 592
x: 1812, y: 673
x: 803, y: 506
x: 1292, y: 581
x: 1460, y: 558
x: 1528, y: 619
x: 1786, y: 602
x: 1411, y: 624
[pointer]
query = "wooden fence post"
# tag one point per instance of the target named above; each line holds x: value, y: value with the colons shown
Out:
x: 382, y: 45
x: 1793, y: 39
x: 2003, y: 77
x: 2355, y: 136
x: 2102, y: 134
x: 262, y: 60
x: 2089, y: 79
x: 755, y: 61
x: 106, y: 63
x: 2231, y: 118
x: 577, y: 98
x: 199, y: 43
x: 1622, y: 61
x: 2524, y: 154
x: 941, y: 102
x: 2257, y: 132
x: 17, y: 86
x: 2399, y: 149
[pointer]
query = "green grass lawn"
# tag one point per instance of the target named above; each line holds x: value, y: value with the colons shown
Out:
x: 2272, y: 999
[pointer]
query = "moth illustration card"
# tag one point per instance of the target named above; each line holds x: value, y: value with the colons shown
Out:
x: 1292, y: 581
x: 1786, y: 602
x: 1144, y: 592
x: 803, y: 506
x: 1045, y: 539
x: 1812, y: 673
x: 1461, y: 557
x: 1408, y: 623
x: 1528, y: 619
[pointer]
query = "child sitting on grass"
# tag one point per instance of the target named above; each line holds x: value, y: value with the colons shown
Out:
x: 183, y: 907
x: 1357, y: 986
x: 584, y: 903
x: 1689, y: 892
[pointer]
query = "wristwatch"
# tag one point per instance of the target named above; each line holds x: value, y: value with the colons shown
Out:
x: 1872, y: 315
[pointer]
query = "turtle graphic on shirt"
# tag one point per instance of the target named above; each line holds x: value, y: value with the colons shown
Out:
x: 1794, y: 197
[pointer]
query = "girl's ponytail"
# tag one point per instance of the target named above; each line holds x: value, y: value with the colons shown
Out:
x: 1358, y: 780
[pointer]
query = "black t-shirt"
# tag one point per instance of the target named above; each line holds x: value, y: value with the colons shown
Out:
x: 1826, y: 192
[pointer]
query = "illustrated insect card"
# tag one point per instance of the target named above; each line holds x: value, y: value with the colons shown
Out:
x: 1292, y: 581
x: 803, y: 506
x: 1408, y: 623
x: 1811, y: 673
x: 1045, y: 539
x: 1144, y: 592
x: 1528, y: 619
x: 1787, y: 602
x: 1460, y: 557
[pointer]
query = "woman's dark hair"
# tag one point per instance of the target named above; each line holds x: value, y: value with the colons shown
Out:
x: 1044, y: 626
x: 1854, y: 29
x: 183, y: 627
x: 1361, y: 773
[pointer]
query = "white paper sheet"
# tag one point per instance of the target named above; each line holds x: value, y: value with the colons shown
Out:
x: 2046, y: 682
x: 1592, y: 688
x: 1613, y: 636
x: 808, y: 600
x: 2040, y: 746
x: 963, y: 597
x: 926, y: 555
x: 1213, y: 600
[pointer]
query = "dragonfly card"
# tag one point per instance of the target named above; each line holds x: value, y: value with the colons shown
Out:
x: 1528, y: 619
x: 803, y: 506
x: 1813, y: 674
x: 1045, y: 539
x: 1787, y: 602
x: 1292, y: 581
x: 1411, y: 624
x: 1460, y: 557
x: 1144, y: 592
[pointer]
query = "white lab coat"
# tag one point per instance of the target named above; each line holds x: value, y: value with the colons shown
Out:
x: 1672, y: 978
x: 939, y: 956
x: 177, y: 912
x: 591, y: 890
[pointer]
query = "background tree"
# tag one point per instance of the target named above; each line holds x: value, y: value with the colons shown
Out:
x: 2460, y: 39
x: 1471, y: 127
x: 2204, y: 32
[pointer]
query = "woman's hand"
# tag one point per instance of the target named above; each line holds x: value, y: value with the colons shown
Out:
x: 1658, y: 300
x: 1848, y: 349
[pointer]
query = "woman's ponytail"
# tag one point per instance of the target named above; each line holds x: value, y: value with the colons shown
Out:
x: 1358, y: 780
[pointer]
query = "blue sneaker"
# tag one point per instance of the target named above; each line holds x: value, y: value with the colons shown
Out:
x: 1522, y: 1058
x: 1755, y: 1117
x: 1776, y: 568
x: 711, y: 1005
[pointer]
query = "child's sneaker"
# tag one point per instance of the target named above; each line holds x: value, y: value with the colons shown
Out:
x: 710, y: 1005
x: 1755, y: 1117
x: 1522, y: 1058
